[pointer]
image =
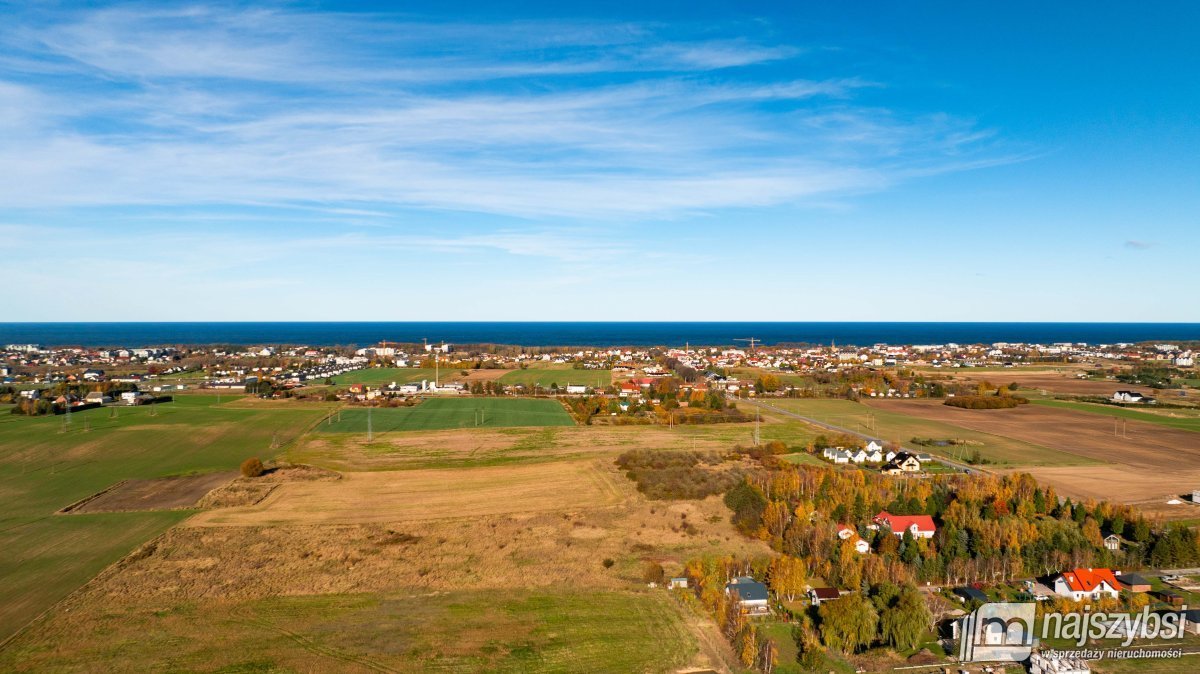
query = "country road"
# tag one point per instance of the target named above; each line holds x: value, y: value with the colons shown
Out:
x: 966, y: 468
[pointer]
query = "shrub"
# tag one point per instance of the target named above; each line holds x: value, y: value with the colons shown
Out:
x: 252, y: 467
x: 608, y: 562
x: 678, y: 474
x: 653, y: 573
x: 986, y: 402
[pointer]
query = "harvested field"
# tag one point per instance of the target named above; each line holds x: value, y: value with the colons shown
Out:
x: 415, y: 495
x: 896, y: 424
x: 1145, y: 467
x: 1186, y: 419
x: 1147, y: 447
x: 164, y: 493
x: 1064, y: 382
x: 1120, y: 483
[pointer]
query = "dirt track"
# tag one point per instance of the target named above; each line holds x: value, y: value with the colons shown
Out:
x: 418, y: 495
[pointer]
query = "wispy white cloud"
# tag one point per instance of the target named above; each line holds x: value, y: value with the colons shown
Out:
x: 359, y: 114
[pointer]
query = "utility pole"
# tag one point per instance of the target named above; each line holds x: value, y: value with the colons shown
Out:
x: 369, y: 434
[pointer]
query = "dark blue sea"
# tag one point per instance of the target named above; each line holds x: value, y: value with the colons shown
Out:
x: 586, y: 334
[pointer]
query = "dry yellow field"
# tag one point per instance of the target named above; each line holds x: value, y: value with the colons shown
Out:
x: 499, y: 446
x: 417, y: 495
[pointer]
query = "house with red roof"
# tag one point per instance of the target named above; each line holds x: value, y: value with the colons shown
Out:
x: 920, y: 526
x: 1080, y: 584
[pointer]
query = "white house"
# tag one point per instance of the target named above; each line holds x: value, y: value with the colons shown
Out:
x: 860, y: 545
x: 1131, y: 397
x: 920, y: 526
x: 902, y: 463
x: 1080, y: 584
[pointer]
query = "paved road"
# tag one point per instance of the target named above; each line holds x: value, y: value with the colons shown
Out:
x: 966, y: 468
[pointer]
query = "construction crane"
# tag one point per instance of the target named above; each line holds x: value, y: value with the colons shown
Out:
x: 752, y: 340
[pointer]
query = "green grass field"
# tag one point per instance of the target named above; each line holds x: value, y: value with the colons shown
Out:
x: 382, y: 376
x: 804, y: 458
x: 481, y: 631
x: 558, y: 374
x: 43, y: 469
x: 1188, y: 421
x: 894, y: 426
x: 442, y: 413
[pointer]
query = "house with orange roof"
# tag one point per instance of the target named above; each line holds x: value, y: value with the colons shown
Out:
x: 920, y: 526
x: 1089, y: 583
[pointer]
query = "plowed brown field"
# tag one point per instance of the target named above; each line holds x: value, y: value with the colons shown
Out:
x: 1147, y: 461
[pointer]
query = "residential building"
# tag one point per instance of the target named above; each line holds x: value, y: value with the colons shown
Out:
x: 819, y: 594
x: 920, y: 526
x: 1089, y: 583
x: 751, y: 596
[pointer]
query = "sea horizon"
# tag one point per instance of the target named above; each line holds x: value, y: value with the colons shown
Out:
x: 586, y: 333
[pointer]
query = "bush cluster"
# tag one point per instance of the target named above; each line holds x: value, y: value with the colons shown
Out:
x: 252, y: 467
x: 986, y: 402
x: 678, y: 475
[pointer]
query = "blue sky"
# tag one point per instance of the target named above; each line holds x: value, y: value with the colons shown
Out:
x: 648, y: 161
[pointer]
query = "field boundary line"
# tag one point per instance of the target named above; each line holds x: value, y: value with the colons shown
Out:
x: 88, y: 499
x: 103, y: 573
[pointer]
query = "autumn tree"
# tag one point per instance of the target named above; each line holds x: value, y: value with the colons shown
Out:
x: 903, y: 623
x: 848, y: 624
x: 252, y: 467
x: 788, y: 577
